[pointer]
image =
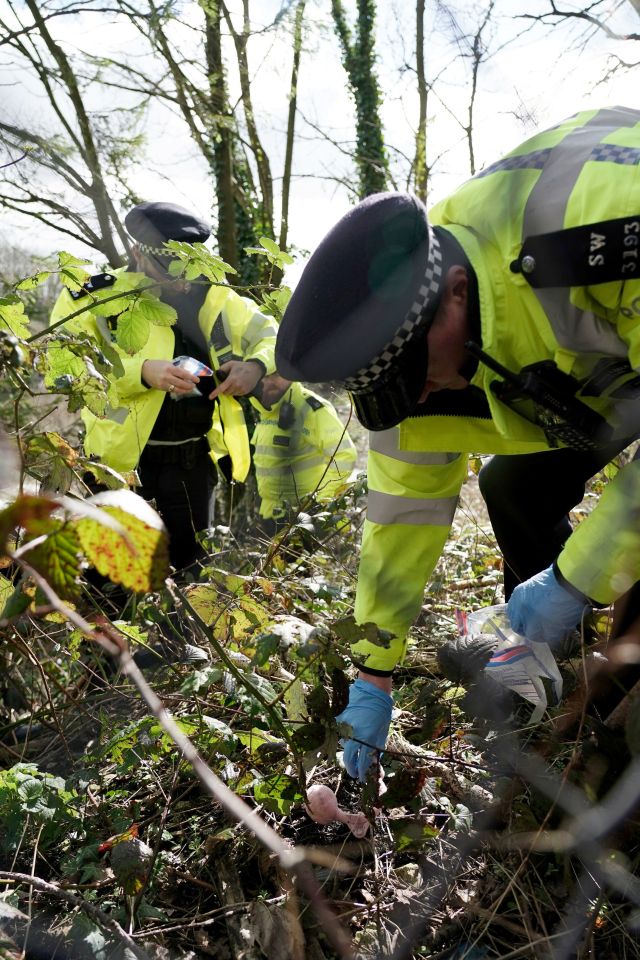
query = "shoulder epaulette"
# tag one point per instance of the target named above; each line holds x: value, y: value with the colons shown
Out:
x: 314, y: 403
x: 100, y: 281
x: 582, y: 256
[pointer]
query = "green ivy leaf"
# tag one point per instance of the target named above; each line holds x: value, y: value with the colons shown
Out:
x: 198, y: 680
x: 218, y: 735
x: 139, y: 562
x: 278, y: 793
x: 409, y: 834
x: 266, y: 646
x: 85, y: 931
x: 351, y: 632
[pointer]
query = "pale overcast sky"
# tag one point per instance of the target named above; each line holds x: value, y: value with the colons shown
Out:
x: 541, y: 75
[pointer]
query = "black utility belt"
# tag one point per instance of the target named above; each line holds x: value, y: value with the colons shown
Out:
x: 186, y: 453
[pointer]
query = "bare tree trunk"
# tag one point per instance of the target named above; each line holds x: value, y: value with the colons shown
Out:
x: 291, y: 123
x: 240, y: 40
x: 420, y: 168
x: 221, y: 136
x: 108, y: 220
x: 478, y: 51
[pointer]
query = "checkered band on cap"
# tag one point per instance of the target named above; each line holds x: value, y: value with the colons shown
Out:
x: 153, y: 251
x: 427, y: 292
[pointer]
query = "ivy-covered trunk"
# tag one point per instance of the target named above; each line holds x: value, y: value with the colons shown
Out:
x: 359, y: 61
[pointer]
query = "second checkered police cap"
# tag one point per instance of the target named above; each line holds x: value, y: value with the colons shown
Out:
x: 151, y: 224
x: 361, y: 309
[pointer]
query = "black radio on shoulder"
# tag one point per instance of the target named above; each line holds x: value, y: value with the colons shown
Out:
x: 286, y: 415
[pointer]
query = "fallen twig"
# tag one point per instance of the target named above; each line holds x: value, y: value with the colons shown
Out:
x: 94, y: 912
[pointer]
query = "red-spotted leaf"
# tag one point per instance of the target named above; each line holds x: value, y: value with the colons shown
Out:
x: 139, y: 560
x: 131, y: 861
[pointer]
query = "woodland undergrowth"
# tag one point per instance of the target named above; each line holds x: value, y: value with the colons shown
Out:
x: 449, y: 868
x: 180, y: 720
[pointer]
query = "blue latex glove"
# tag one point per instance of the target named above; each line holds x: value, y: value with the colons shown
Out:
x: 368, y: 713
x: 542, y: 610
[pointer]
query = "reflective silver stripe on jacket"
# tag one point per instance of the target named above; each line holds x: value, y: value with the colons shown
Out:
x: 387, y: 443
x: 386, y: 508
x: 291, y: 468
x: 172, y: 443
x: 545, y: 211
x: 259, y: 328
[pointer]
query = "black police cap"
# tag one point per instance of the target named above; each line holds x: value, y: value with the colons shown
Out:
x: 151, y: 224
x: 360, y: 311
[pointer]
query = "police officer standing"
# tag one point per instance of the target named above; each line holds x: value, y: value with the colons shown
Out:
x: 301, y: 448
x: 167, y: 429
x: 508, y: 323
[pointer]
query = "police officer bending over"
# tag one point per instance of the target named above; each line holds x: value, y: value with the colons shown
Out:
x: 508, y: 323
x: 171, y: 432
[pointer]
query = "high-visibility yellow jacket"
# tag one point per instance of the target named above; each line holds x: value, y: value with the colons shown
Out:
x: 234, y: 328
x: 314, y: 453
x: 584, y: 170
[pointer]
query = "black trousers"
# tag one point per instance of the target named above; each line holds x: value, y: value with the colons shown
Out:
x: 181, y: 480
x: 528, y: 499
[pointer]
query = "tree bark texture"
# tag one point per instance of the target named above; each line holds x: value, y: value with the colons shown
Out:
x: 358, y: 57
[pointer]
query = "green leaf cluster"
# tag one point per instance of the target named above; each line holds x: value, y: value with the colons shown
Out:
x: 269, y: 248
x: 193, y: 260
x: 28, y: 795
